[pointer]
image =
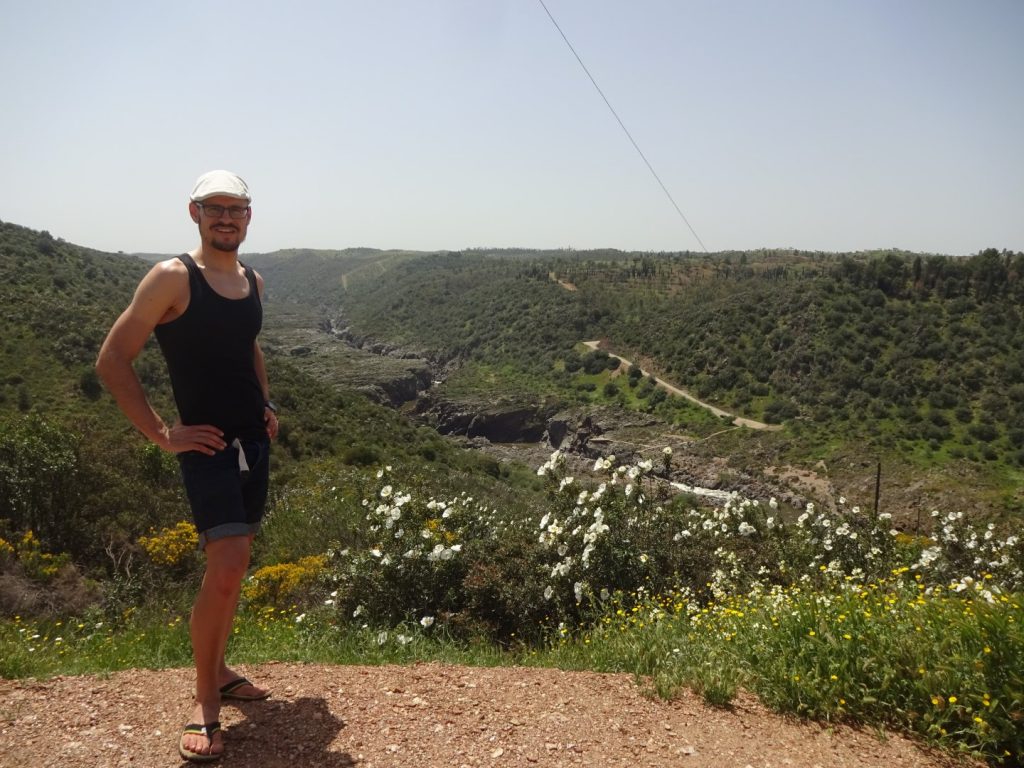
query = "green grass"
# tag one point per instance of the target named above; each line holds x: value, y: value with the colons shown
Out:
x: 42, y: 649
x: 947, y: 667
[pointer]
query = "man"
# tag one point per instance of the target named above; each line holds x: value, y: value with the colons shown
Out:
x: 205, y: 308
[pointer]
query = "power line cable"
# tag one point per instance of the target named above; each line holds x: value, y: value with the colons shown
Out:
x: 625, y: 130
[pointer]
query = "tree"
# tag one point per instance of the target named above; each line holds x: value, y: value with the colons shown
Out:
x: 38, y: 470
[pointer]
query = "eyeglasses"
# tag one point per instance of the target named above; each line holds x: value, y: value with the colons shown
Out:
x: 216, y: 211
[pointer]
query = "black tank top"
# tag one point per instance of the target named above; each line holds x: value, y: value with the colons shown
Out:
x: 210, y: 357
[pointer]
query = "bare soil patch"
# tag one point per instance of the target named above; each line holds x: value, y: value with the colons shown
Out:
x: 428, y: 715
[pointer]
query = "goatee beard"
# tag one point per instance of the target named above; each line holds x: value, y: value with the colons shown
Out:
x: 226, y: 247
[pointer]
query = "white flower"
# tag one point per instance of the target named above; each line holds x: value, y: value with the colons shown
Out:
x: 385, y: 491
x: 549, y: 592
x: 382, y: 637
x: 746, y: 529
x: 357, y: 612
x: 426, y: 621
x: 299, y: 618
x: 667, y: 450
x: 585, y: 557
x: 577, y: 589
x: 403, y: 639
x: 375, y: 552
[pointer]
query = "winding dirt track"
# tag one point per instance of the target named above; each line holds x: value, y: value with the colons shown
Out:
x: 425, y: 715
x: 739, y: 421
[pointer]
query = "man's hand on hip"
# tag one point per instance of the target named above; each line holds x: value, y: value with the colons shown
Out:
x: 204, y: 438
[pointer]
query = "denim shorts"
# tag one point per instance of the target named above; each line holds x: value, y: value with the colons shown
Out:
x: 228, y: 490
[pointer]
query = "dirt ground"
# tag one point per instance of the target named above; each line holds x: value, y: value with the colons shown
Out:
x: 424, y: 715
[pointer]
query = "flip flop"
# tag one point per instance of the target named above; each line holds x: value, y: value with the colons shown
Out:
x: 227, y: 691
x: 207, y: 731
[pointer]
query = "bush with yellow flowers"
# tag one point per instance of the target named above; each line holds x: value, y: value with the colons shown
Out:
x: 171, y: 546
x: 283, y: 583
x: 6, y: 551
x: 36, y: 564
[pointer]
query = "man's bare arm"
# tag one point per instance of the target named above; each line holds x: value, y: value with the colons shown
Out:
x: 156, y: 296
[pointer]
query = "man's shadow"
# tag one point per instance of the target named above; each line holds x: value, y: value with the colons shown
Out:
x: 285, y: 734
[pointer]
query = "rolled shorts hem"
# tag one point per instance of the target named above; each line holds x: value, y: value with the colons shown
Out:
x: 226, y: 530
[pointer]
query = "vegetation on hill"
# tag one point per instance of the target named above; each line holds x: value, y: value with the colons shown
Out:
x: 917, y: 358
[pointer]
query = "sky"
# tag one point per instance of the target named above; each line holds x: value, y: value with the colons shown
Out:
x: 843, y: 125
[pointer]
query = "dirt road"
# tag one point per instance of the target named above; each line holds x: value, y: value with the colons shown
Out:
x: 426, y: 716
x: 739, y: 421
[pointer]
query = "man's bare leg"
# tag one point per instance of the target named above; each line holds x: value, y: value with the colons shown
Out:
x: 225, y: 674
x: 212, y: 616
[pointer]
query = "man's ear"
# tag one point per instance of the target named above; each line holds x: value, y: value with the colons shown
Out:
x: 193, y: 211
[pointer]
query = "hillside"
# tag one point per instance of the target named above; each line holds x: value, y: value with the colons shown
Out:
x: 912, y: 360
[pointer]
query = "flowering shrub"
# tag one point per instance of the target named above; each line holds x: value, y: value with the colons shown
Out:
x: 615, y: 538
x: 964, y: 557
x: 283, y: 583
x: 423, y: 557
x: 481, y: 570
x: 36, y: 564
x: 170, y: 546
x: 608, y: 539
x: 39, y: 583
